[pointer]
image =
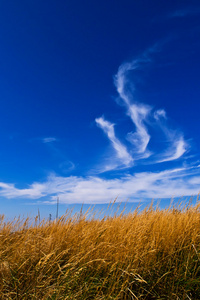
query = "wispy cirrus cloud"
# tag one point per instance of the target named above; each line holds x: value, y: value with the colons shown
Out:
x: 174, y: 145
x: 175, y: 151
x: 121, y: 151
x: 135, y: 146
x: 138, y: 112
x: 49, y: 140
x: 160, y: 113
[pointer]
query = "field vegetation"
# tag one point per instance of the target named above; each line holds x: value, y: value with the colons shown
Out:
x: 148, y: 254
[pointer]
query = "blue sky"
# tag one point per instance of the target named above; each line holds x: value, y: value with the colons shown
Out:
x: 99, y: 99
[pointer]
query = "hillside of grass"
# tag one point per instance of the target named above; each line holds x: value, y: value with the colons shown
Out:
x: 149, y: 254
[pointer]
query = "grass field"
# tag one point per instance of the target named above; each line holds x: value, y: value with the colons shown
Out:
x: 152, y: 254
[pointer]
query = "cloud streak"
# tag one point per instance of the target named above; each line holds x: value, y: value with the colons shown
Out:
x: 137, y: 145
x: 140, y: 115
x: 92, y: 189
x: 177, y: 145
x: 176, y: 150
x: 138, y: 112
x: 121, y: 151
x: 49, y: 140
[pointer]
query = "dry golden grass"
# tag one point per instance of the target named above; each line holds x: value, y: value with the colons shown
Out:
x: 153, y: 254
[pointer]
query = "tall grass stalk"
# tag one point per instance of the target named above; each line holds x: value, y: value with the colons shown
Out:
x: 152, y: 254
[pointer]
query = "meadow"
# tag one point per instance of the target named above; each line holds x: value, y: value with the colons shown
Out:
x: 148, y: 254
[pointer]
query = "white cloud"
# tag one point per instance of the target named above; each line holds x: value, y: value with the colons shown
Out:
x: 93, y: 189
x: 140, y: 138
x: 49, y: 140
x: 195, y: 180
x: 176, y: 150
x: 138, y: 112
x: 141, y: 115
x: 160, y: 113
x: 67, y: 166
x: 176, y: 144
x: 8, y: 190
x: 121, y: 151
